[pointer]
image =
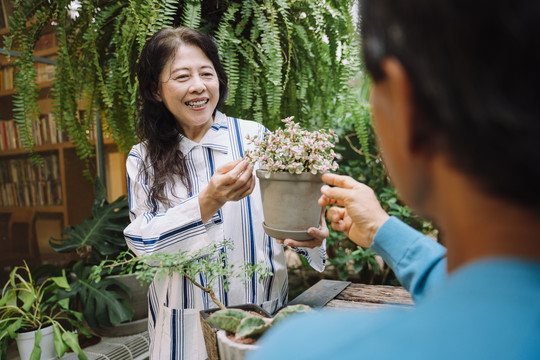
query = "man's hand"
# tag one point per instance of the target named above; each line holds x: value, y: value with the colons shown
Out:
x: 359, y: 216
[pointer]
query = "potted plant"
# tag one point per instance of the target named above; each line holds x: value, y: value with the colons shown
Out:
x: 239, y: 329
x: 32, y: 313
x: 117, y: 305
x: 292, y: 162
x: 210, y: 262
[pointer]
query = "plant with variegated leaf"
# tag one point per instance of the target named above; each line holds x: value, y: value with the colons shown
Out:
x: 246, y: 325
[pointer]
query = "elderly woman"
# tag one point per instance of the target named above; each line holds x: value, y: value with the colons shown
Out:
x: 189, y: 187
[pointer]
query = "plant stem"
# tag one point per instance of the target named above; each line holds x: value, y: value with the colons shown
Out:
x: 207, y: 290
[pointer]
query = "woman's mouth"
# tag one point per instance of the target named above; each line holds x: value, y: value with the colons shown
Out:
x: 197, y: 104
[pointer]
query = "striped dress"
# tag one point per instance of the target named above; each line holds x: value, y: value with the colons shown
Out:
x: 174, y: 302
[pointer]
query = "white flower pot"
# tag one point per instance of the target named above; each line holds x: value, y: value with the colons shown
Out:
x: 25, y: 344
x: 290, y: 203
x: 230, y: 350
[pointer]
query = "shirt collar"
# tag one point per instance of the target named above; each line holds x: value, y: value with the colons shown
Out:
x: 216, y: 138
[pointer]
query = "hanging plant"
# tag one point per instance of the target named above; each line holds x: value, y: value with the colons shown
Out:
x: 282, y: 58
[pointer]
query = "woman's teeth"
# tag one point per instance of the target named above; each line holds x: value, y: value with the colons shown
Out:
x: 197, y: 104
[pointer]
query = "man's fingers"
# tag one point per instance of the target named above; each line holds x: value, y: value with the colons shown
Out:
x: 335, y: 214
x: 335, y: 195
x: 338, y: 225
x: 341, y: 181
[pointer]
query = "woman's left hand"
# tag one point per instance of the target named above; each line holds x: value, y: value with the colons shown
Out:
x: 318, y: 236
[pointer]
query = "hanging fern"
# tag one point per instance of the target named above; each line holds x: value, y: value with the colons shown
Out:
x: 192, y: 14
x: 282, y: 57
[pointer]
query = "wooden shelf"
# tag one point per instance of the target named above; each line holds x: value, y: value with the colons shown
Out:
x: 43, y: 209
x: 42, y: 85
x: 37, y: 149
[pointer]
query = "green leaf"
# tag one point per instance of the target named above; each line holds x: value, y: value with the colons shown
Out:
x: 73, y: 342
x: 228, y: 320
x: 252, y: 327
x: 59, y: 345
x: 36, y: 352
x: 28, y: 299
x: 14, y: 328
x: 61, y: 282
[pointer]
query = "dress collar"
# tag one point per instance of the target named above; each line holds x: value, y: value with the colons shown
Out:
x: 216, y: 138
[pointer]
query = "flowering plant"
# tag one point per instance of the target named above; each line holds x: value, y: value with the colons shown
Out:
x: 294, y: 150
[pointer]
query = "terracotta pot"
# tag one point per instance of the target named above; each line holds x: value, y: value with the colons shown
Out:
x: 290, y: 203
x: 25, y: 344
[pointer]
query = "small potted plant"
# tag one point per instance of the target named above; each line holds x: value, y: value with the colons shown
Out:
x: 292, y: 162
x: 32, y: 314
x: 239, y: 330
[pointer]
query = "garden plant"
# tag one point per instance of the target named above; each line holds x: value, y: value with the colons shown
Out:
x: 28, y: 303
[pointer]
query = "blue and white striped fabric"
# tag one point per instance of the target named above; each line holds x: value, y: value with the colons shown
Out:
x: 174, y: 302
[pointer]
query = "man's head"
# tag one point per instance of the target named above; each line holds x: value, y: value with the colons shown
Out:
x: 474, y: 82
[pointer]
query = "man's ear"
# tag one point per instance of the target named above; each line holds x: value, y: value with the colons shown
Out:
x: 400, y: 90
x: 419, y: 136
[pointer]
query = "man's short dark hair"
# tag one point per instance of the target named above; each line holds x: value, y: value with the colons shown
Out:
x: 474, y: 66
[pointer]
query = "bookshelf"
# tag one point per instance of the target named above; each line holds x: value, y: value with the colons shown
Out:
x: 37, y: 202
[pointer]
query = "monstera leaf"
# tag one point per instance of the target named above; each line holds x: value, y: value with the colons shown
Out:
x: 102, y: 303
x: 101, y: 233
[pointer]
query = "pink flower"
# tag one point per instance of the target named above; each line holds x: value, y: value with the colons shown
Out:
x: 294, y: 149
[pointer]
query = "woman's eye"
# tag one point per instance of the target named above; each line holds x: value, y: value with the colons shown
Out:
x: 181, y: 77
x: 207, y: 74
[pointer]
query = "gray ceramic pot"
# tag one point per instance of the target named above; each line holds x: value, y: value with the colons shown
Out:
x: 290, y: 203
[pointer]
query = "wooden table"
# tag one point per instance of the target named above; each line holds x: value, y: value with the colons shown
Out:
x: 346, y: 295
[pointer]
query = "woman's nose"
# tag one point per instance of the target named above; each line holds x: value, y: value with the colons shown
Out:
x: 197, y: 85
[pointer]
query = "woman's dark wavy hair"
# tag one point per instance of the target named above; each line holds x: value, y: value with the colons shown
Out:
x: 473, y: 66
x: 156, y: 126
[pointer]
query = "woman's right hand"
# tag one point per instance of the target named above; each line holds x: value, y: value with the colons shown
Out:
x: 231, y: 182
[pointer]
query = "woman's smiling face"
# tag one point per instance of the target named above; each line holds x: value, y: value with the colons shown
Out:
x: 189, y: 88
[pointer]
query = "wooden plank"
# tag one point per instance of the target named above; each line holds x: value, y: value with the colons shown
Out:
x: 376, y: 294
x: 336, y: 304
x: 320, y: 293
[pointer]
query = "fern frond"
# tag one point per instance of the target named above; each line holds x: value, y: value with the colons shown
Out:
x: 192, y: 14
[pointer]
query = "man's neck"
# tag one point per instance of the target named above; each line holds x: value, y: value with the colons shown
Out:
x: 476, y: 225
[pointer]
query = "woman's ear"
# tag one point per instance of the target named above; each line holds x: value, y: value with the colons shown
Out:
x: 156, y: 93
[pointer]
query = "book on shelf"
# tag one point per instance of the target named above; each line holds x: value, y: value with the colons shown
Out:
x: 22, y: 184
x: 7, y: 74
x: 45, y: 73
x: 44, y: 130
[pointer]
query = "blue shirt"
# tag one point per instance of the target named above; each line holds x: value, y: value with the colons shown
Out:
x: 488, y: 309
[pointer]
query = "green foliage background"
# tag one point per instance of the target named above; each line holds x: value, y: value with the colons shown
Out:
x: 283, y: 58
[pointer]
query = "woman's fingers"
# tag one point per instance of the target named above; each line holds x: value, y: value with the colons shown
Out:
x: 244, y: 191
x: 228, y: 166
